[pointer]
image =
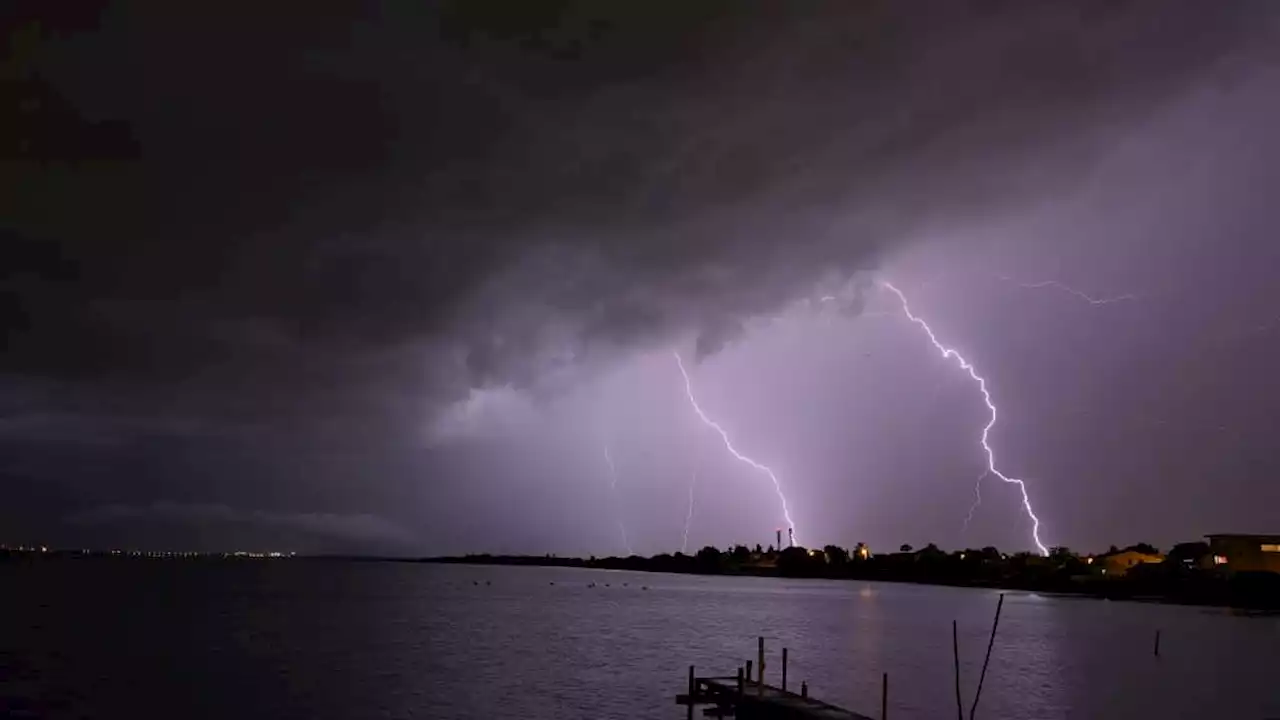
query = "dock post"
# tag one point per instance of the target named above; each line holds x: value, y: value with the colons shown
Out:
x: 804, y: 689
x: 1157, y: 647
x: 739, y: 680
x: 784, y: 669
x: 748, y: 672
x: 884, y: 698
x: 760, y: 666
x: 693, y: 691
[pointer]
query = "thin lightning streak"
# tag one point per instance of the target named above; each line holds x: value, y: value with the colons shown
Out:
x: 613, y: 483
x: 986, y: 397
x: 688, y: 517
x: 777, y: 486
x: 613, y: 469
x: 977, y: 500
x: 1078, y: 293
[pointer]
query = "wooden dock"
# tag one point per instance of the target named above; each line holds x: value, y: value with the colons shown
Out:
x: 748, y: 696
x: 726, y: 698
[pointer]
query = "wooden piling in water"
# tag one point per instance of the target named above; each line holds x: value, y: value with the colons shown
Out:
x: 784, y: 668
x: 693, y: 692
x: 760, y: 665
x: 739, y: 681
x: 1156, y: 650
x: 995, y: 624
x: 749, y: 666
x: 955, y: 652
x: 884, y: 697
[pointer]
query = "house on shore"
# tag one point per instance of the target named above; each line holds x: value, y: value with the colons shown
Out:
x: 1119, y: 563
x: 1245, y: 553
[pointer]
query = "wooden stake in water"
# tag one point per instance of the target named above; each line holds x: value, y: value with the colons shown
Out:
x: 748, y: 671
x: 955, y: 652
x: 784, y: 669
x: 693, y: 690
x: 990, y: 642
x: 1157, y: 647
x: 884, y: 697
x: 760, y: 666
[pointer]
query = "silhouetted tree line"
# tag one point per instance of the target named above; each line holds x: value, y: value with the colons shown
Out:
x: 1062, y: 571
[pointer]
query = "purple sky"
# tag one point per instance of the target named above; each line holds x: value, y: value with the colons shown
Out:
x: 392, y: 281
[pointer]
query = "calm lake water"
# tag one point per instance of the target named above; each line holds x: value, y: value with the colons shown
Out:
x: 310, y: 639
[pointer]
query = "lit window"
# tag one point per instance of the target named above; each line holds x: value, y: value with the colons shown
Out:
x: 1219, y: 559
x: 1267, y: 547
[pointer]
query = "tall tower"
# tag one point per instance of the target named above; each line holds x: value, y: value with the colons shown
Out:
x: 791, y: 537
x: 778, y: 545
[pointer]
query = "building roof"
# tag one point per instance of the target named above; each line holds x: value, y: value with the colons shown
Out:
x: 1129, y: 551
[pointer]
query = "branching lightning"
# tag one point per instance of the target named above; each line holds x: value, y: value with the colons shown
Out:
x: 724, y: 436
x: 1078, y: 293
x: 688, y: 516
x: 986, y: 396
x: 613, y: 483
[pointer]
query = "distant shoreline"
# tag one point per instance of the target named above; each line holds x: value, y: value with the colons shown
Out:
x: 1202, y: 593
x: 1255, y: 592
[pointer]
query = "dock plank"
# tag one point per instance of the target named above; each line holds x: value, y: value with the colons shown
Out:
x: 763, y: 701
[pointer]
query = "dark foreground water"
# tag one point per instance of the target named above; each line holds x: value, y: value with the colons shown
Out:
x: 309, y: 639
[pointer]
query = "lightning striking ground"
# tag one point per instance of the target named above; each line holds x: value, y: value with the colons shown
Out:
x: 986, y: 396
x: 688, y: 516
x: 1067, y: 288
x: 724, y: 435
x: 613, y: 484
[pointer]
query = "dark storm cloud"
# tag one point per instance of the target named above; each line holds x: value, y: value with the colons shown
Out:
x: 321, y: 199
x: 336, y: 223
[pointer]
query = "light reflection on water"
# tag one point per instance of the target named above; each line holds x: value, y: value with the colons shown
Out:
x: 352, y: 640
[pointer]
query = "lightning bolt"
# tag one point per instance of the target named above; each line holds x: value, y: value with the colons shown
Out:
x: 728, y: 444
x: 688, y: 517
x: 986, y: 397
x: 613, y: 483
x: 977, y: 500
x: 1078, y: 293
